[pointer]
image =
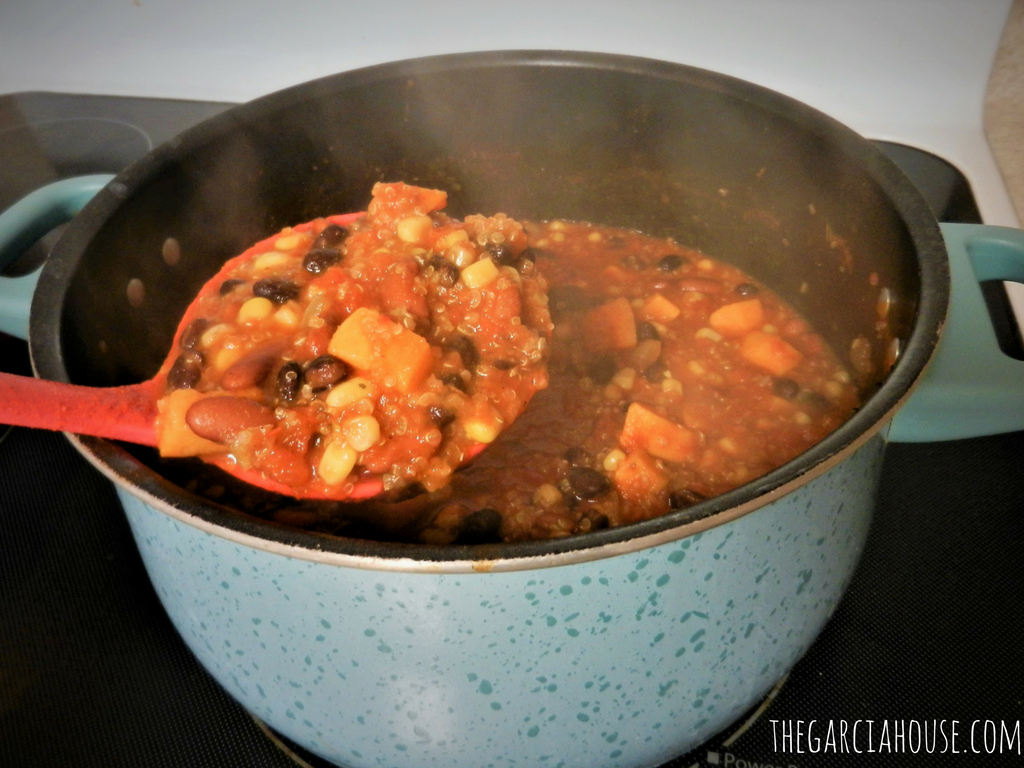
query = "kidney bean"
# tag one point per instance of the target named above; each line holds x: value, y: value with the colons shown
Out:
x: 219, y: 418
x: 325, y: 371
x: 186, y: 371
x: 330, y: 236
x: 276, y: 289
x: 289, y: 382
x: 251, y: 370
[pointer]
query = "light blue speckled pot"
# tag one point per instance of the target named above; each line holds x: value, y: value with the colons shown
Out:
x: 618, y: 648
x: 619, y: 661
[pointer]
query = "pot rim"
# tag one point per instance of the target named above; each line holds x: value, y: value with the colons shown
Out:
x: 136, y: 478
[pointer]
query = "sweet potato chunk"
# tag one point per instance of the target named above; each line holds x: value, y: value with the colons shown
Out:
x: 657, y: 435
x: 611, y: 326
x: 738, y: 318
x: 769, y: 351
x: 174, y: 436
x: 383, y: 349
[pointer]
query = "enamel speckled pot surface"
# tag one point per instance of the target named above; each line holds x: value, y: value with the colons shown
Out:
x: 623, y: 661
x: 623, y: 647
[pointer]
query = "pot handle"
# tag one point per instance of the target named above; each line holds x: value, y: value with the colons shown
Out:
x: 971, y: 387
x: 25, y: 222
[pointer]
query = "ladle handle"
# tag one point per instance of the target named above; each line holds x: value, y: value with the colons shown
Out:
x: 25, y: 222
x: 118, y: 413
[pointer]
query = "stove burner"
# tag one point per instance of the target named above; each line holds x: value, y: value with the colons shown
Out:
x: 92, y: 673
x: 710, y: 750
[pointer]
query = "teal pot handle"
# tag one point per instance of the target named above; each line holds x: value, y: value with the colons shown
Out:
x: 23, y: 224
x: 971, y: 387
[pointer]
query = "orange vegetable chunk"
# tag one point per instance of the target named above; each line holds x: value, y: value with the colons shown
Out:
x: 769, y: 351
x: 638, y: 478
x: 659, y: 309
x: 738, y: 318
x: 657, y: 435
x: 383, y: 349
x: 611, y: 326
x: 174, y: 436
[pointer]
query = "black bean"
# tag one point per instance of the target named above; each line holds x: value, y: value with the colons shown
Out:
x: 577, y: 456
x: 314, y: 441
x: 786, y: 388
x: 441, y: 417
x: 671, y: 263
x: 746, y: 289
x: 646, y: 331
x: 318, y: 260
x: 601, y: 369
x: 193, y: 333
x: 453, y: 380
x: 684, y: 498
x: 466, y: 349
x: 229, y: 285
x: 276, y: 289
x: 656, y: 372
x: 504, y: 365
x: 325, y: 371
x: 447, y: 273
x: 587, y: 483
x: 501, y: 253
x: 289, y: 382
x: 480, y: 527
x: 186, y: 371
x: 330, y: 236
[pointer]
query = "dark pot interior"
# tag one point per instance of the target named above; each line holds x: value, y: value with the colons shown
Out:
x: 744, y: 174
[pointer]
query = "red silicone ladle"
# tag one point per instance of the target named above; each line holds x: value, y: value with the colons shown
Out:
x: 128, y: 414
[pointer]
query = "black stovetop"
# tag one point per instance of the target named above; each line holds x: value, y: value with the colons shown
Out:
x: 92, y: 673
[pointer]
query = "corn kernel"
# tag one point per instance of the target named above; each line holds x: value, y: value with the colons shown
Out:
x: 480, y: 274
x: 413, y: 229
x: 547, y: 495
x: 672, y: 385
x: 338, y: 461
x: 226, y: 357
x: 624, y: 378
x: 709, y: 334
x: 348, y: 392
x: 613, y: 459
x: 270, y: 260
x: 289, y: 242
x: 482, y: 431
x: 458, y: 236
x: 286, y: 317
x: 461, y: 254
x: 696, y: 368
x: 361, y: 432
x: 256, y: 308
x: 211, y: 334
x: 801, y: 418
